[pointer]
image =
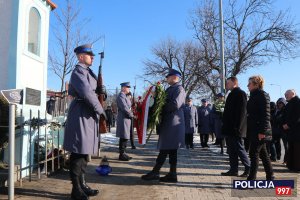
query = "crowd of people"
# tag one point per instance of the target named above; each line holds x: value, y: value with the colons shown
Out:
x: 252, y: 127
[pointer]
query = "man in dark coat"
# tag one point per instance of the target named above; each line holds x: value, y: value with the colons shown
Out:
x: 51, y: 105
x: 292, y: 126
x: 124, y: 118
x: 204, y: 122
x: 171, y: 130
x: 81, y: 130
x: 235, y: 127
x: 191, y: 122
x: 109, y: 115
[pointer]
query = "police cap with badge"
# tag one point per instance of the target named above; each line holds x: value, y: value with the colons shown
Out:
x: 173, y: 72
x: 86, y: 48
x: 125, y: 84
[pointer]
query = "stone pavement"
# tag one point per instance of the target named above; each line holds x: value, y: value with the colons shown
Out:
x: 198, y: 172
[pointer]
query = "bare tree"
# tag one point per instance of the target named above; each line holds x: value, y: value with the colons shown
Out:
x: 182, y: 56
x: 254, y: 35
x: 68, y: 34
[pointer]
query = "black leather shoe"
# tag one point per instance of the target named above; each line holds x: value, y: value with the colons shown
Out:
x: 229, y: 173
x: 124, y: 157
x: 133, y: 147
x: 150, y: 176
x: 90, y: 192
x: 78, y: 195
x: 170, y: 178
x: 245, y: 174
x: 86, y: 189
x: 77, y: 192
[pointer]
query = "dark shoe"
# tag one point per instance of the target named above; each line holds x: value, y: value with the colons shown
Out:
x: 77, y: 192
x: 150, y: 176
x: 124, y: 157
x: 246, y: 172
x: 170, y: 178
x: 133, y: 147
x: 229, y: 173
x: 86, y: 189
x: 222, y: 152
x: 77, y: 195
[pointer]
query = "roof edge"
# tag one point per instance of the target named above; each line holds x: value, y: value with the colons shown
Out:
x: 53, y: 5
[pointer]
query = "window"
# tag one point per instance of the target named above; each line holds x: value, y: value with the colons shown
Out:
x: 34, y: 31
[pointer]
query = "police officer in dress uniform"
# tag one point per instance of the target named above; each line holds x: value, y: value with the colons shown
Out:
x: 82, y: 126
x: 124, y: 118
x: 191, y: 122
x: 171, y: 130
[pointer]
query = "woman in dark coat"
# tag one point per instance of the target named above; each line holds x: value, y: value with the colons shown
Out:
x: 259, y: 127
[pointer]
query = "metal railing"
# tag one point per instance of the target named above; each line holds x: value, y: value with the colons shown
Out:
x: 33, y: 128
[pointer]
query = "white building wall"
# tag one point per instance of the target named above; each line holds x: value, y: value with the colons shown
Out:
x: 22, y: 68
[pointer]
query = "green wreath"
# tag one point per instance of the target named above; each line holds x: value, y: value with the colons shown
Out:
x: 155, y: 112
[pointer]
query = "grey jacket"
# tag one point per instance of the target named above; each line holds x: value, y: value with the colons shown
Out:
x: 82, y: 125
x: 171, y: 130
x: 124, y: 116
x: 191, y: 119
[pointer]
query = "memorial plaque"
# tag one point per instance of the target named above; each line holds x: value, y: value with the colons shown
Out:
x: 14, y: 96
x: 33, y: 97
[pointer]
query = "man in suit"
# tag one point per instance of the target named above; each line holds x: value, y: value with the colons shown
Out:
x: 82, y: 126
x: 125, y: 115
x: 171, y: 130
x: 235, y: 127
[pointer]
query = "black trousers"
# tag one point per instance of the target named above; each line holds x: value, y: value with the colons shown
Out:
x: 236, y: 150
x: 78, y: 164
x: 161, y: 158
x: 258, y: 150
x: 189, y: 140
x: 204, y: 139
x: 122, y: 145
x: 293, y: 161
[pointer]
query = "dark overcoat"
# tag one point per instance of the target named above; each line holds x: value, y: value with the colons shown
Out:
x: 258, y: 115
x: 216, y: 120
x: 124, y: 116
x: 82, y: 125
x: 235, y: 114
x: 204, y: 120
x: 190, y: 118
x: 292, y: 119
x: 171, y: 130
